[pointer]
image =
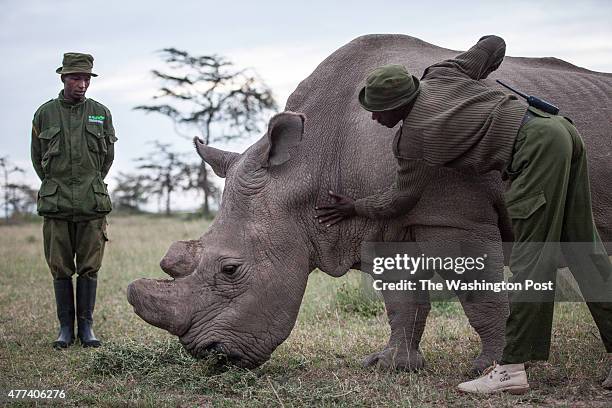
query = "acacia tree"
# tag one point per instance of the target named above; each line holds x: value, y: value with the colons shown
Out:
x: 21, y: 199
x: 192, y: 174
x: 132, y: 190
x: 16, y: 197
x: 164, y: 172
x: 207, y: 94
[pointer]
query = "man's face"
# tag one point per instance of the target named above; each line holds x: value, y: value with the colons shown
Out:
x: 75, y: 86
x: 389, y: 118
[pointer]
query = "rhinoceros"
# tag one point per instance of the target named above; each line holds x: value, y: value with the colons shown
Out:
x: 238, y: 288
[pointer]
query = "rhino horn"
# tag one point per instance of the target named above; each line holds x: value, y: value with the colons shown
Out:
x: 162, y: 303
x: 219, y: 160
x: 182, y: 258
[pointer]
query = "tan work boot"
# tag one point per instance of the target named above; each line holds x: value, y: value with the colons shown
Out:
x: 510, y: 378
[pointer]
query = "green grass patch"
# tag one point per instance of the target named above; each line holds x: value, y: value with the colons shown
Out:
x: 352, y: 298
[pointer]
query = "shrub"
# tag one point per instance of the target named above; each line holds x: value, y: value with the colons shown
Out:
x: 353, y: 299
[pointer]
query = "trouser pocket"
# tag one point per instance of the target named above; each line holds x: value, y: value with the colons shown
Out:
x: 524, y: 207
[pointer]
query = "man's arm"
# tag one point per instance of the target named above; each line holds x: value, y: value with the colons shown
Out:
x: 398, y: 199
x: 391, y: 203
x: 109, y: 131
x: 477, y: 62
x: 108, y: 160
x: 35, y: 153
x: 401, y: 196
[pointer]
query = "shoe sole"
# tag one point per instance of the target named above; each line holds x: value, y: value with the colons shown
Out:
x: 517, y: 391
x: 513, y: 391
x: 61, y: 345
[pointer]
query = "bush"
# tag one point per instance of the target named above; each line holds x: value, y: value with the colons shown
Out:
x: 353, y: 299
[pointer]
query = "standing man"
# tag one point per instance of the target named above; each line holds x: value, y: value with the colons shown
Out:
x: 452, y: 119
x: 72, y: 150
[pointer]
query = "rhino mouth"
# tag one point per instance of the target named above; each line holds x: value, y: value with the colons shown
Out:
x: 221, y: 354
x: 219, y: 351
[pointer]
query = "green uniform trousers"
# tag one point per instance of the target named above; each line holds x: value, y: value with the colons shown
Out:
x: 74, y: 246
x: 549, y: 202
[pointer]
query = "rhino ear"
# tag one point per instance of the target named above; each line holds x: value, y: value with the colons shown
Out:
x: 285, y: 131
x: 219, y: 160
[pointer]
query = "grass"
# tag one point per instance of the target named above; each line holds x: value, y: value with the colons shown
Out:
x: 319, y: 365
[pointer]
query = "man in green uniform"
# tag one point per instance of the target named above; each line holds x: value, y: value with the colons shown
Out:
x: 450, y: 118
x: 72, y: 150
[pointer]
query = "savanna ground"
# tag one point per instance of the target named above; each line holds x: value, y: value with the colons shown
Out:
x: 319, y: 365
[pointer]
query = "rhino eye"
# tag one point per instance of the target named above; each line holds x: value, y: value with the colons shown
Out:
x: 229, y: 269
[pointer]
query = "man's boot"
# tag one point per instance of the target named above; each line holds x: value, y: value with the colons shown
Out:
x: 64, y: 301
x: 86, y: 300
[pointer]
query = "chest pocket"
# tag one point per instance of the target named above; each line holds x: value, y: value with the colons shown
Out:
x: 50, y: 146
x: 95, y: 139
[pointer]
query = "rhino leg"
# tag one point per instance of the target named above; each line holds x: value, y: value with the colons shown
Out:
x: 486, y: 311
x: 407, y: 313
x: 485, y: 319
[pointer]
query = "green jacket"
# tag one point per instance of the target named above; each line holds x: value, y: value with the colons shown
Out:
x: 72, y: 151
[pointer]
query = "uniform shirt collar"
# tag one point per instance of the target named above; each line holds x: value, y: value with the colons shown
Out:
x: 66, y: 103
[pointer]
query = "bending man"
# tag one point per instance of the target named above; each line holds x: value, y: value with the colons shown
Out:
x: 452, y: 119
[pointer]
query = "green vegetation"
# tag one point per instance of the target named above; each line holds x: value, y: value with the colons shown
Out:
x: 140, y: 365
x: 351, y: 298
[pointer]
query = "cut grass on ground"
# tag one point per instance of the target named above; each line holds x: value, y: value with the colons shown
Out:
x: 319, y: 365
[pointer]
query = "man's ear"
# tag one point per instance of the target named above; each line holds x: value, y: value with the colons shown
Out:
x: 285, y: 131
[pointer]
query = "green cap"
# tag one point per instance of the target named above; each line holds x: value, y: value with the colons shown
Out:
x: 76, y: 63
x: 387, y: 88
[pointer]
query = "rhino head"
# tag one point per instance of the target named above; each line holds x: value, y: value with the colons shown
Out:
x: 237, y: 290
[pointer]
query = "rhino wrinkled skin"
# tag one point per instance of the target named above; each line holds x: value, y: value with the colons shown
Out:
x: 238, y: 288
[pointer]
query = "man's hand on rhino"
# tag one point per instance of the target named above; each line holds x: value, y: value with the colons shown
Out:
x: 342, y: 207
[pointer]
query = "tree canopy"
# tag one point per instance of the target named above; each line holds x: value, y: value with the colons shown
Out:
x: 208, y: 94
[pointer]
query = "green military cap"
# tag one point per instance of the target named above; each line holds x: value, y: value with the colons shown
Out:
x: 387, y: 88
x: 76, y: 63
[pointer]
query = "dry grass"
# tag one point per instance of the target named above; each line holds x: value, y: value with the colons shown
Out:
x: 318, y: 365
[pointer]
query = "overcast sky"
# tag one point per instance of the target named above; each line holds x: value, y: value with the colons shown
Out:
x: 283, y: 41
